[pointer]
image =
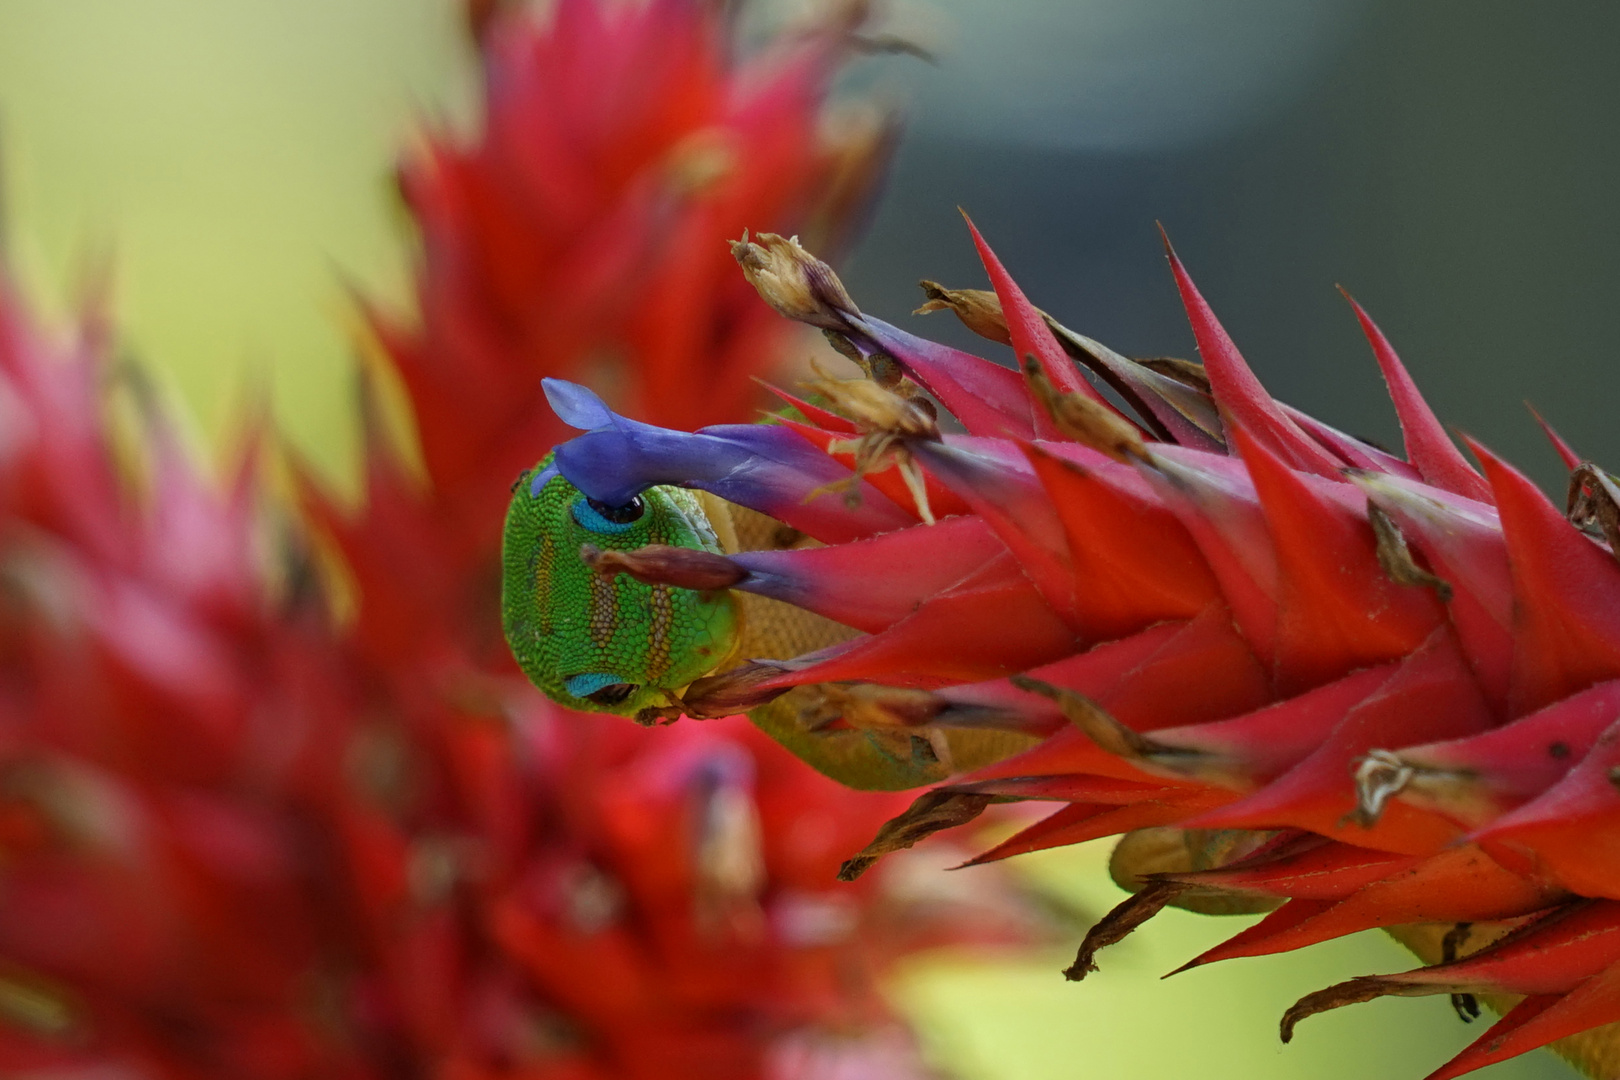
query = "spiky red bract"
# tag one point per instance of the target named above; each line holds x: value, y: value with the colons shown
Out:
x: 1243, y: 402
x: 1402, y: 672
x: 1030, y: 335
x: 1432, y: 453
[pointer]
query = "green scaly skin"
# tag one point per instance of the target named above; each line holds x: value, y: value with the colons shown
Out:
x: 565, y: 622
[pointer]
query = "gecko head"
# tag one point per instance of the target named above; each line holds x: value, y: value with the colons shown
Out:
x: 596, y: 643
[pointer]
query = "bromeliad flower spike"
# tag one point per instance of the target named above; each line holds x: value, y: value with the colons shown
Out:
x: 1296, y: 672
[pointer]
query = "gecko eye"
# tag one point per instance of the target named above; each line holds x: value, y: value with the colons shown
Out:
x: 612, y: 695
x: 599, y: 517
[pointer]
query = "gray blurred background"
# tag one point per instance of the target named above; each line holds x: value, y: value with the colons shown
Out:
x: 1453, y: 165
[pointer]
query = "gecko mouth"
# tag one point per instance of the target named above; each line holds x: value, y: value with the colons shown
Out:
x: 600, y: 689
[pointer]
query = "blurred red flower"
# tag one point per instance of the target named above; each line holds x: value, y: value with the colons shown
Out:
x: 241, y: 836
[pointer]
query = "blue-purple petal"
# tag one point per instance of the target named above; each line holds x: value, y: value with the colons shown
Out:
x: 764, y: 467
x: 542, y: 478
x: 577, y: 406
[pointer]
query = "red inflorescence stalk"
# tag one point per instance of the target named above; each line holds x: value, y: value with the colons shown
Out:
x: 1376, y: 691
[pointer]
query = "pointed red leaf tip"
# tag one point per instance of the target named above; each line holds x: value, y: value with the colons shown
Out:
x: 1081, y: 823
x: 1539, y: 1020
x: 1566, y: 453
x: 1429, y: 697
x: 1570, y: 833
x: 990, y: 625
x: 1459, y: 884
x: 821, y: 418
x: 1311, y: 868
x: 873, y: 583
x: 1134, y: 563
x: 1551, y: 955
x: 1030, y: 334
x: 1428, y: 447
x: 1502, y: 1039
x: 1141, y: 681
x: 1337, y: 609
x: 1242, y: 400
x: 1054, y: 830
x: 1213, y: 496
x: 1566, y: 611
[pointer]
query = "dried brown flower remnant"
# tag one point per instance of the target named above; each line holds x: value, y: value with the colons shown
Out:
x: 979, y: 309
x: 931, y: 812
x: 888, y: 423
x: 793, y: 281
x: 1084, y: 420
x: 1594, y: 503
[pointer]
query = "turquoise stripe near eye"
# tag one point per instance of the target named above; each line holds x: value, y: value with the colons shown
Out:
x: 582, y: 686
x: 588, y: 518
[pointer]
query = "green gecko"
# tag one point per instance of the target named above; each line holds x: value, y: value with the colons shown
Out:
x: 612, y: 644
x: 602, y: 644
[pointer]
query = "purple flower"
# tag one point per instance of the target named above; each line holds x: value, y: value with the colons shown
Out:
x: 765, y: 467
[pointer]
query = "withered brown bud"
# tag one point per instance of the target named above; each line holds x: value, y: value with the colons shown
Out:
x: 1351, y: 992
x: 1118, y: 923
x: 1396, y: 558
x: 1088, y: 421
x: 1099, y: 726
x: 731, y: 692
x: 979, y: 309
x: 888, y: 422
x: 793, y: 281
x: 870, y: 706
x: 1594, y: 503
x: 879, y: 366
x: 874, y: 408
x: 663, y: 564
x: 1380, y: 776
x: 932, y: 811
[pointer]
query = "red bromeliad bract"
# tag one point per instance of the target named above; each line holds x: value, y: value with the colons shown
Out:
x: 244, y: 838
x: 1302, y: 673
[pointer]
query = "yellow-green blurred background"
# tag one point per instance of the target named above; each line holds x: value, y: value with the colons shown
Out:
x: 231, y: 160
x: 1452, y: 164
